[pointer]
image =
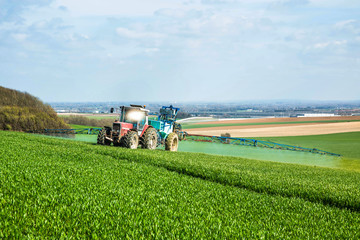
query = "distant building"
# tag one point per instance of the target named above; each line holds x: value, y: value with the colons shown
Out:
x: 318, y: 115
x: 62, y: 111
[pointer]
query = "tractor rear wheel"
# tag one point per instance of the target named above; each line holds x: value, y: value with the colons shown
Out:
x: 172, y: 142
x: 150, y: 138
x: 131, y: 140
x: 101, y: 139
x: 178, y: 131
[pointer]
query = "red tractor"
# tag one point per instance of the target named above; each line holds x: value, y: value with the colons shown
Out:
x: 133, y: 128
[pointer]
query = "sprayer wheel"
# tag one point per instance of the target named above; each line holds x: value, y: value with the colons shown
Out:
x: 172, y: 142
x: 101, y: 139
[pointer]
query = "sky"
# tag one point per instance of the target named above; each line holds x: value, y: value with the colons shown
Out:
x: 181, y: 50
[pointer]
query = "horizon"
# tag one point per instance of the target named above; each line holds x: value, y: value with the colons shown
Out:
x: 278, y: 101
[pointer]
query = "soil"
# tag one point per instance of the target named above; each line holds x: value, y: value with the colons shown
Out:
x: 297, y: 119
x: 281, y: 130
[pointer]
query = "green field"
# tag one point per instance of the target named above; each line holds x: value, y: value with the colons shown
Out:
x: 346, y: 144
x: 91, y: 116
x: 204, y: 125
x: 58, y: 188
x: 75, y: 126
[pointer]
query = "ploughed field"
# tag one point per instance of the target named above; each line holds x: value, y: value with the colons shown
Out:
x: 271, y: 127
x: 57, y: 188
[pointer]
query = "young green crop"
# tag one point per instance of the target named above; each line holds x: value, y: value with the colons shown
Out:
x: 346, y: 144
x: 333, y: 187
x: 53, y: 188
x: 75, y: 126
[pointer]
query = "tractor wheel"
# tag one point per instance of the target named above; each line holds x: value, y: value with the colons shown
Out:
x: 178, y: 131
x: 101, y: 139
x: 150, y: 138
x: 116, y: 143
x: 131, y: 140
x: 172, y: 142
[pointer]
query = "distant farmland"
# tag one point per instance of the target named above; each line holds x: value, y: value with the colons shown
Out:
x: 276, y: 127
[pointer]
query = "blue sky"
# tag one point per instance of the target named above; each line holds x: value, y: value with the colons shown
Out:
x: 190, y: 50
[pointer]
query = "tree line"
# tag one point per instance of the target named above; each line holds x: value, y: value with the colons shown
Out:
x: 23, y: 112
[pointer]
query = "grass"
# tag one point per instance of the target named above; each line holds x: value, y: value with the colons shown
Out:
x: 346, y: 144
x: 90, y: 116
x: 202, y: 125
x: 75, y: 126
x: 65, y: 189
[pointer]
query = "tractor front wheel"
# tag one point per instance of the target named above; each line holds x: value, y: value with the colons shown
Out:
x: 172, y: 142
x: 101, y: 139
x: 131, y: 140
x: 150, y: 138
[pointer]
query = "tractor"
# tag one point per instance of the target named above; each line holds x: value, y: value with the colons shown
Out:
x: 133, y: 128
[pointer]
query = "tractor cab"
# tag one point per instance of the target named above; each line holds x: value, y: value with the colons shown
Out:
x: 136, y: 115
x: 134, y: 118
x: 168, y: 114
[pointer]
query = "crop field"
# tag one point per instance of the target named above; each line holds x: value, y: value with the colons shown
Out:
x: 271, y: 127
x: 75, y: 126
x: 279, y: 120
x: 211, y: 125
x: 346, y: 144
x: 280, y: 130
x: 67, y: 189
x: 91, y: 116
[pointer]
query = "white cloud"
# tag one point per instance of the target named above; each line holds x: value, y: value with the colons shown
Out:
x: 20, y: 36
x: 193, y: 43
x: 116, y: 7
x: 151, y: 50
x: 344, y: 24
x: 342, y: 42
x: 334, y: 3
x: 282, y: 4
x: 351, y: 26
x: 331, y: 43
x: 167, y: 12
x: 124, y: 32
x: 222, y: 37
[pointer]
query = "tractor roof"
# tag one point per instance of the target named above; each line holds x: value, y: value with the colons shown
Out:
x: 137, y: 107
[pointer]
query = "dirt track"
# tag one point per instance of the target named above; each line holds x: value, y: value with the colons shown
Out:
x: 266, y: 120
x: 280, y: 130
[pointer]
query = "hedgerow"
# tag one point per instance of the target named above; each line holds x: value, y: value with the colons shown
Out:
x: 23, y: 112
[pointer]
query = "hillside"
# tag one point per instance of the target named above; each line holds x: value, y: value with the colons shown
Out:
x: 23, y: 112
x: 65, y: 189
